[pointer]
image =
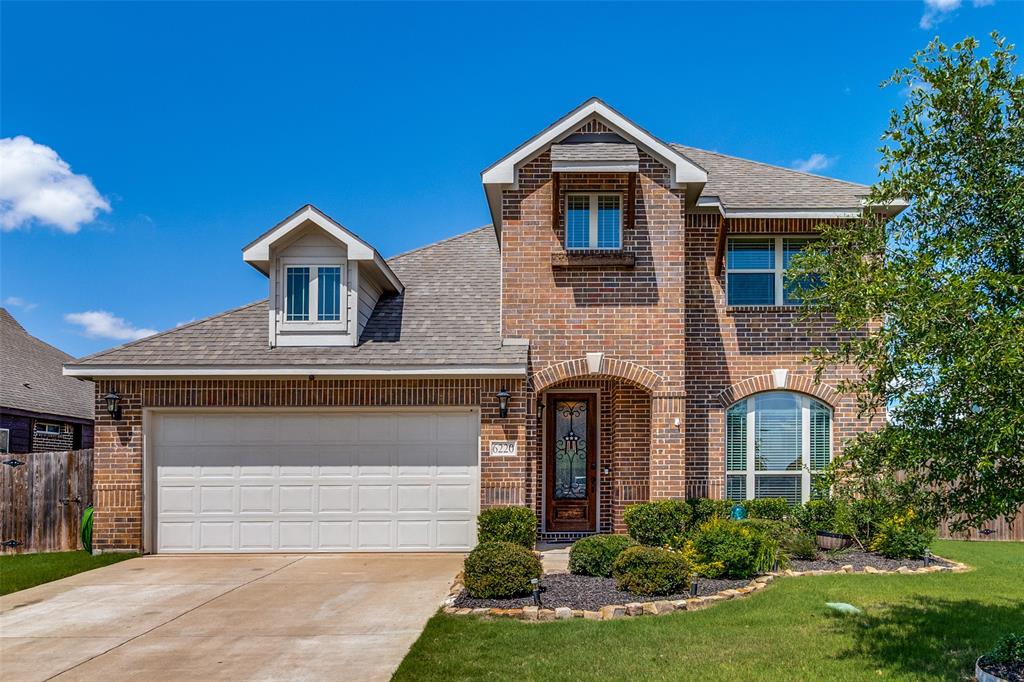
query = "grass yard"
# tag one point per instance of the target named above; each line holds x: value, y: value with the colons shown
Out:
x: 914, y: 627
x: 22, y: 571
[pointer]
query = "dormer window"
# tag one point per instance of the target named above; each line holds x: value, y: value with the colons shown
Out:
x: 593, y: 221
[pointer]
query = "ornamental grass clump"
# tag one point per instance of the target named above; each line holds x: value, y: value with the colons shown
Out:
x: 653, y: 571
x: 500, y: 570
x: 595, y: 555
x: 508, y: 524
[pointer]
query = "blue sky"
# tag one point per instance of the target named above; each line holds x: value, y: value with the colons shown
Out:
x: 201, y: 125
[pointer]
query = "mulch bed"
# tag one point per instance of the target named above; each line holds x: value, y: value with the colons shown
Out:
x: 858, y: 559
x: 588, y: 593
x: 1013, y: 672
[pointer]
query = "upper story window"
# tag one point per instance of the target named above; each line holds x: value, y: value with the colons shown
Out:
x: 313, y: 293
x: 593, y: 221
x: 48, y: 428
x: 776, y: 444
x: 756, y: 271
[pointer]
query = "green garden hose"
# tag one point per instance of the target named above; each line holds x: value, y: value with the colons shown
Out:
x: 87, y: 529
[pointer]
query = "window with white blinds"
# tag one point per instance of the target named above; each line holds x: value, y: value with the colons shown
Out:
x: 776, y: 442
x: 756, y: 271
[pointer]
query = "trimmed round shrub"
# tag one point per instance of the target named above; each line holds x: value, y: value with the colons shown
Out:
x: 774, y: 508
x: 652, y: 571
x: 507, y: 524
x: 703, y: 510
x: 728, y: 549
x: 656, y: 523
x: 902, y: 536
x: 595, y: 555
x: 499, y: 570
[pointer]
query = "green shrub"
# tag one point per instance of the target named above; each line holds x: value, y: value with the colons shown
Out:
x: 777, y: 531
x: 1009, y: 649
x: 800, y: 545
x: 728, y: 549
x: 815, y: 515
x: 595, y: 555
x: 498, y: 570
x: 704, y: 510
x: 774, y: 508
x: 902, y: 536
x: 508, y: 524
x: 866, y: 515
x: 653, y: 570
x: 655, y: 523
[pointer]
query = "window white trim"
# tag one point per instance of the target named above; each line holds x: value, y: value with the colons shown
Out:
x: 48, y: 428
x: 313, y: 323
x: 751, y: 473
x: 777, y: 269
x: 5, y: 441
x: 593, y: 201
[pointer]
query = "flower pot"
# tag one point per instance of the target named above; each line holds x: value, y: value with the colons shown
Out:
x: 982, y: 676
x: 830, y: 541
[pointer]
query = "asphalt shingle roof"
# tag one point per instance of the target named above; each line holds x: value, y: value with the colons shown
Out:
x: 595, y: 151
x: 31, y: 378
x: 744, y: 184
x: 448, y: 314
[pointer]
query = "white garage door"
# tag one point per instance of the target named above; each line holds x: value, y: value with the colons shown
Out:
x: 328, y: 482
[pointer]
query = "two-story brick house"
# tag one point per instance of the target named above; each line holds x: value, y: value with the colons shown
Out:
x: 624, y: 331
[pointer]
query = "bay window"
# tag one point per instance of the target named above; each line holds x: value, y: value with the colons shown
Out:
x: 756, y: 271
x: 593, y: 221
x: 776, y: 444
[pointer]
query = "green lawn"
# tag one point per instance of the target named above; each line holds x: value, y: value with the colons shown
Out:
x: 914, y: 627
x: 21, y: 571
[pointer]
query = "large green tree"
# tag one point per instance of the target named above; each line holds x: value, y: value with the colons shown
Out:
x: 937, y: 291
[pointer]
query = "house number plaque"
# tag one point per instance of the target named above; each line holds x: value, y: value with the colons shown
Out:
x: 503, y: 448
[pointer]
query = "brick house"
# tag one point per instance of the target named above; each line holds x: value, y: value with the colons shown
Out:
x: 40, y: 409
x: 624, y: 331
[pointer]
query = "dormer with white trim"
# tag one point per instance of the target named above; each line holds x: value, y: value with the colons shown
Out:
x: 324, y: 280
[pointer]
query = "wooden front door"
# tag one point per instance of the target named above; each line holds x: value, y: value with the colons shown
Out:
x: 571, y: 463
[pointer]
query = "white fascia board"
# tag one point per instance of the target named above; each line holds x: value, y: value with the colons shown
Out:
x: 684, y: 171
x: 260, y: 249
x: 293, y: 370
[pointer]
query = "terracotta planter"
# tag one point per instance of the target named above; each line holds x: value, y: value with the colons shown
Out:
x: 982, y: 676
x: 831, y: 541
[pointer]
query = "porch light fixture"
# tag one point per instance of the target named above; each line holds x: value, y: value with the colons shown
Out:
x: 503, y: 396
x: 113, y: 401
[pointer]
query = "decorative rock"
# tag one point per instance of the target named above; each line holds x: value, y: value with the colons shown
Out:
x: 576, y: 613
x: 754, y: 587
x: 847, y: 568
x: 650, y: 609
x: 450, y: 610
x: 819, y: 572
x: 591, y: 615
x: 481, y: 612
x: 530, y: 612
x: 870, y: 569
x: 728, y: 594
x: 790, y: 572
x: 680, y: 604
x: 546, y: 614
x: 634, y: 609
x: 764, y: 579
x: 664, y: 607
x: 904, y: 570
x: 744, y: 590
x: 712, y: 599
x: 695, y: 604
x: 613, y: 612
x: 563, y: 613
x: 463, y: 612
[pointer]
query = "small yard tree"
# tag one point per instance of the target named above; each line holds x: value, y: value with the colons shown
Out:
x: 938, y: 291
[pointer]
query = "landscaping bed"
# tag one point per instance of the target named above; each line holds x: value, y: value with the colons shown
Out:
x: 860, y: 560
x: 582, y: 592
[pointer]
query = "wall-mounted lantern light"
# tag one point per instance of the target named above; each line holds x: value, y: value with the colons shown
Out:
x: 503, y: 396
x: 540, y: 410
x: 113, y: 401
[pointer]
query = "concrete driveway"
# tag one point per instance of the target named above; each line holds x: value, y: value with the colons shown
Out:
x: 262, y: 617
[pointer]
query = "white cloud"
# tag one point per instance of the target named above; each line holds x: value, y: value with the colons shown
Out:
x: 101, y: 324
x: 37, y: 185
x: 814, y: 162
x: 18, y: 302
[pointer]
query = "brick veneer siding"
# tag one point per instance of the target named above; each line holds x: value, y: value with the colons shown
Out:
x: 53, y: 442
x: 731, y: 352
x: 118, y: 450
x: 631, y: 314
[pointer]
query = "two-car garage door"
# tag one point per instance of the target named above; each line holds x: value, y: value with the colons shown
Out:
x: 262, y: 481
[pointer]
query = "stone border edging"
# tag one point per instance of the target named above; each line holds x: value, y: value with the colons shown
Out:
x: 535, y: 614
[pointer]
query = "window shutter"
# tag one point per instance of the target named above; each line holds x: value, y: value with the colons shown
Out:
x: 736, y: 438
x: 820, y: 435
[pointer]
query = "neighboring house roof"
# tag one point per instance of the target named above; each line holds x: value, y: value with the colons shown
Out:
x: 447, y: 317
x: 31, y: 378
x: 741, y: 184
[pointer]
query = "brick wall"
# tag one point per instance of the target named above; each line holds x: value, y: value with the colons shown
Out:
x: 118, y: 453
x: 53, y: 442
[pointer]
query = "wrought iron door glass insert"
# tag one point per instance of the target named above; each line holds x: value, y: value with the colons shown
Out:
x: 570, y: 450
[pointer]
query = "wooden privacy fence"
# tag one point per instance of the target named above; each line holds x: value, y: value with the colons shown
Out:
x: 41, y: 501
x: 1000, y: 528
